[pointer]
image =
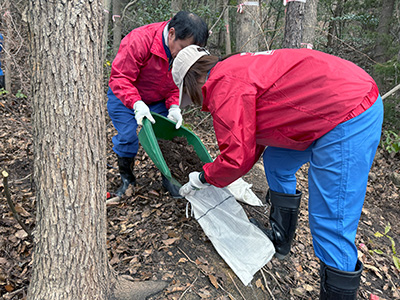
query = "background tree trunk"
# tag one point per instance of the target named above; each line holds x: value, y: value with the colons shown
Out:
x: 247, y: 29
x: 117, y: 28
x: 176, y: 6
x: 309, y: 23
x: 107, y: 8
x: 228, y: 46
x: 70, y: 258
x: 6, y: 48
x: 332, y: 31
x: 294, y: 24
x: 383, y: 31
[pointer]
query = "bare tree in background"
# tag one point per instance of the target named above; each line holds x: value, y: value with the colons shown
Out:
x: 117, y: 28
x: 70, y: 258
x: 294, y: 24
x: 247, y: 32
x: 309, y: 24
x: 176, y: 6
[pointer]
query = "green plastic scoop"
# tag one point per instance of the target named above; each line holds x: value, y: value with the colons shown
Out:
x: 165, y: 129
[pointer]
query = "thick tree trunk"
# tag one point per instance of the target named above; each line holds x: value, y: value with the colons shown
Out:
x: 309, y: 23
x: 70, y: 258
x: 294, y: 24
x: 247, y: 29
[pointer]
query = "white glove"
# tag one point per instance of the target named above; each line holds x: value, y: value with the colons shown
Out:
x: 174, y: 114
x: 194, y: 184
x: 141, y: 111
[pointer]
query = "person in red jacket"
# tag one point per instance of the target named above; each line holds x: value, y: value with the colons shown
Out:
x: 141, y: 82
x: 292, y: 106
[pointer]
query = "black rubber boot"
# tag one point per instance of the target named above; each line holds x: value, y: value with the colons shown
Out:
x: 170, y: 187
x: 339, y: 285
x: 283, y: 220
x: 125, y: 170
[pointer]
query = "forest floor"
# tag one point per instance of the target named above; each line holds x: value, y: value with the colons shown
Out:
x: 150, y: 236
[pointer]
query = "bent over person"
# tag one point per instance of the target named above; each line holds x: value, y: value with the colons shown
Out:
x: 293, y: 106
x: 141, y: 82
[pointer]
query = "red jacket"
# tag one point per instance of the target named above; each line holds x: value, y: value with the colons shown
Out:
x: 140, y: 68
x: 284, y: 98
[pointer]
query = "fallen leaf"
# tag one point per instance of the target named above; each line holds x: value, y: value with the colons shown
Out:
x: 213, y: 281
x: 169, y: 242
x: 21, y: 234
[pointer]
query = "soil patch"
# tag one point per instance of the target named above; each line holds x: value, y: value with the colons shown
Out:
x: 181, y: 158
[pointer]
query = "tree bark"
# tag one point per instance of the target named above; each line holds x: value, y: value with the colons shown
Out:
x: 309, y: 24
x: 332, y: 31
x: 70, y: 256
x: 228, y: 46
x: 247, y: 29
x: 176, y: 6
x: 6, y: 49
x: 117, y: 29
x: 294, y: 24
x: 107, y: 8
x: 383, y: 30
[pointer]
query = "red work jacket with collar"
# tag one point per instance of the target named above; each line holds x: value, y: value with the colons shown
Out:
x: 140, y: 70
x: 283, y: 98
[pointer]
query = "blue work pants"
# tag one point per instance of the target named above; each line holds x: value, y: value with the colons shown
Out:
x: 337, y: 177
x: 126, y: 142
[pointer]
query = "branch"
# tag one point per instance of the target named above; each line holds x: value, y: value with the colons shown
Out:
x: 12, y: 207
x: 392, y: 91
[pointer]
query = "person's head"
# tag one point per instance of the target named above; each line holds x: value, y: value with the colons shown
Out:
x: 185, y: 29
x: 189, y: 71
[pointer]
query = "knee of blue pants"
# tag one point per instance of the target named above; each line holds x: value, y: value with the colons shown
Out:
x: 280, y: 167
x: 125, y: 142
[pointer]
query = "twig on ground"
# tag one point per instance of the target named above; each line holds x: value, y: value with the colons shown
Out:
x: 273, y: 277
x: 202, y: 271
x: 17, y: 117
x: 234, y: 283
x: 202, y: 121
x: 189, y: 287
x: 266, y: 285
x: 12, y: 207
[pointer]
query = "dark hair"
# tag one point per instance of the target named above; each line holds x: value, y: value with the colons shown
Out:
x: 188, y: 25
x: 199, y: 69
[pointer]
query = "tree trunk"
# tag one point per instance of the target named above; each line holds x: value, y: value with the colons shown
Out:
x: 332, y: 31
x: 7, y: 47
x: 176, y: 6
x: 70, y: 258
x: 309, y: 23
x: 228, y: 47
x: 294, y: 24
x: 117, y: 29
x: 247, y: 29
x: 107, y: 8
x: 383, y: 30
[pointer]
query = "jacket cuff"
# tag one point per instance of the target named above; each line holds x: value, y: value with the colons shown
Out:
x: 202, y: 177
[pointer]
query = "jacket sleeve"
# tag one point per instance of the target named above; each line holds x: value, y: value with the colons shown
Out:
x: 172, y: 97
x: 125, y: 70
x: 235, y: 125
